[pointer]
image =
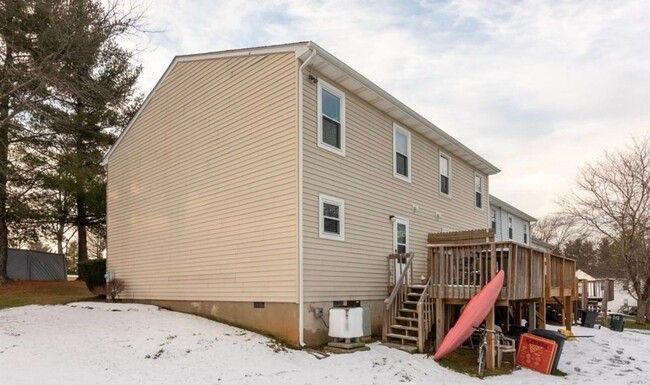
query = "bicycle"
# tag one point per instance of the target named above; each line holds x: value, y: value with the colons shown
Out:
x: 482, y: 348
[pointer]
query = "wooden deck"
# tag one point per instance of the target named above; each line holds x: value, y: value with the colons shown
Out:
x: 458, y: 266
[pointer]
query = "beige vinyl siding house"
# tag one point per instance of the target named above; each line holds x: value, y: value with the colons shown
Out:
x: 215, y: 190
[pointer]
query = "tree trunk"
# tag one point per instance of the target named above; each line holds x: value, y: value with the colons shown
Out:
x: 4, y: 166
x: 81, y: 228
x: 59, y: 237
x: 641, y: 311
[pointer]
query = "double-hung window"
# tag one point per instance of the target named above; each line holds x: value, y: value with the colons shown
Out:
x: 401, y: 153
x: 331, y: 217
x: 493, y: 219
x: 526, y: 233
x: 445, y: 174
x: 509, y: 227
x: 331, y: 118
x: 478, y: 190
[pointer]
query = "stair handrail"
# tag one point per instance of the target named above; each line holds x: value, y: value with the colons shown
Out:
x: 390, y: 310
x: 401, y: 280
x: 425, y: 314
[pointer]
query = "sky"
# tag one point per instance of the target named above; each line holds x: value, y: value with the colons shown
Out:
x: 538, y: 88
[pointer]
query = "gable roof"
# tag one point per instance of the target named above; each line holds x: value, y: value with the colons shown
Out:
x: 496, y: 202
x: 341, y: 73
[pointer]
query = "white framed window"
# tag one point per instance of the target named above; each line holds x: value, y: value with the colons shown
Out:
x: 478, y: 190
x: 509, y: 227
x: 493, y: 219
x: 526, y: 233
x: 331, y: 217
x: 401, y: 153
x: 445, y: 174
x: 331, y: 118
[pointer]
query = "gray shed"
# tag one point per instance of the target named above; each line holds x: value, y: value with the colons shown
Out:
x: 29, y: 265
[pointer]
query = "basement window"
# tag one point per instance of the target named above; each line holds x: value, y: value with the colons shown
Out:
x: 331, y: 217
x: 331, y: 118
x: 258, y: 305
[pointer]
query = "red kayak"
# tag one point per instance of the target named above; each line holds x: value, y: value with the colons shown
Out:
x: 475, y: 312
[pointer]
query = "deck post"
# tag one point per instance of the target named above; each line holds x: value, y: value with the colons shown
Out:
x: 542, y: 313
x: 489, y: 321
x: 440, y: 326
x: 532, y: 316
x: 440, y: 307
x: 568, y: 308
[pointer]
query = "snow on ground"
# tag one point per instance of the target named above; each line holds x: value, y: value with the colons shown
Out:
x: 98, y: 343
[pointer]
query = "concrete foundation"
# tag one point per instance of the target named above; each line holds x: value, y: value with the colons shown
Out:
x: 278, y: 320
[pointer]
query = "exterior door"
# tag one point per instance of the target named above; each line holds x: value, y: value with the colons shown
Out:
x: 400, y: 244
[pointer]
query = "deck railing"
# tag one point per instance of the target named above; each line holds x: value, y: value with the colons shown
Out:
x: 459, y: 271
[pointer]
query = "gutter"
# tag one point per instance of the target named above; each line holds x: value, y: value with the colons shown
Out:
x: 301, y: 316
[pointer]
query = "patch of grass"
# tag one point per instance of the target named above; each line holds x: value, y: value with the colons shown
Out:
x: 21, y: 293
x: 463, y: 360
x: 630, y: 323
x: 559, y: 373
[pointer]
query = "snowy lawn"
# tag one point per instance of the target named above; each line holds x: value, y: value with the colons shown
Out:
x: 98, y: 343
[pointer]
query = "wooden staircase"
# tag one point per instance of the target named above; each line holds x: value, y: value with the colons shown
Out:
x: 408, y: 312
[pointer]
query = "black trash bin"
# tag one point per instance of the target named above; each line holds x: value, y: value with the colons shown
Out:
x: 616, y: 322
x: 555, y: 336
x: 588, y: 318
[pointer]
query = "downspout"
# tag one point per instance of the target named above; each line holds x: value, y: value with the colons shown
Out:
x: 301, y: 316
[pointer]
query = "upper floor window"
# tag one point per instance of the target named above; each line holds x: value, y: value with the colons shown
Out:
x: 401, y: 153
x: 509, y: 227
x: 526, y: 233
x: 478, y: 190
x: 331, y: 118
x: 445, y: 174
x: 493, y: 219
x: 331, y: 218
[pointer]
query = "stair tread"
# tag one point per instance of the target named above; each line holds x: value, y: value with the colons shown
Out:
x: 408, y: 310
x: 402, y: 337
x: 395, y: 326
x: 407, y: 348
x: 413, y: 319
x: 418, y: 286
x: 411, y: 302
x: 415, y: 294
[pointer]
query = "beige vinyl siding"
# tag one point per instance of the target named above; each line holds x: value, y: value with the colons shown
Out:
x: 202, y: 191
x: 357, y: 267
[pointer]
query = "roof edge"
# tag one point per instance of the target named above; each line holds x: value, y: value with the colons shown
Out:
x: 494, y: 201
x: 384, y: 94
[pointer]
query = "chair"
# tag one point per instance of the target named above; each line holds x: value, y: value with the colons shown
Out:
x: 504, y: 345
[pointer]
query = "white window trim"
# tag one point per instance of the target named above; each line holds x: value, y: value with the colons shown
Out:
x: 510, y: 220
x: 403, y: 221
x: 476, y: 174
x: 397, y: 175
x: 324, y: 85
x: 322, y: 198
x: 440, y: 154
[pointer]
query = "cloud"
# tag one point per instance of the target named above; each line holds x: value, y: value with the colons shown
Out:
x: 536, y: 87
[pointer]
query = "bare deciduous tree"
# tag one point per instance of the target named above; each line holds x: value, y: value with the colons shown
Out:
x: 556, y: 229
x: 613, y: 200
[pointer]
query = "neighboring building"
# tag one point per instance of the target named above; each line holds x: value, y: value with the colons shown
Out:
x: 541, y: 245
x: 255, y: 186
x: 509, y: 223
